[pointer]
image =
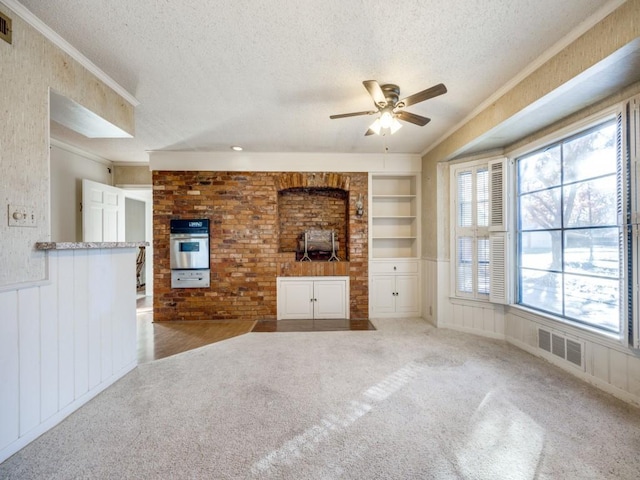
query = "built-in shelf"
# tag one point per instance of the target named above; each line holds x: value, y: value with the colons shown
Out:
x: 394, y: 221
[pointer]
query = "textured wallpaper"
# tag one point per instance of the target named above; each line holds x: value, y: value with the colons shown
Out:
x: 32, y: 65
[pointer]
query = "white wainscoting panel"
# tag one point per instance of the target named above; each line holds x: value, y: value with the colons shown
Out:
x: 465, y: 315
x: 9, y: 369
x: 66, y: 331
x: 49, y: 350
x: 611, y: 367
x: 607, y: 365
x: 81, y: 316
x: 28, y: 344
x: 429, y: 290
x: 64, y: 341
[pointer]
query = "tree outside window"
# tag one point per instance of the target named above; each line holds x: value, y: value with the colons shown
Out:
x: 569, y: 236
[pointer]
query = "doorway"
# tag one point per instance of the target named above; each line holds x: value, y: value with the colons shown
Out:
x: 138, y: 228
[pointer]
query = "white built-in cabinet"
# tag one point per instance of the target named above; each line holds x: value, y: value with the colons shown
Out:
x: 394, y: 233
x: 301, y: 298
x: 394, y: 288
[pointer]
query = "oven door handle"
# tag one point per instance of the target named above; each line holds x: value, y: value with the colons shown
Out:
x: 187, y: 236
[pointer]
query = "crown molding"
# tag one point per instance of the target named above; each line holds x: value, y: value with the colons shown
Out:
x: 66, y: 47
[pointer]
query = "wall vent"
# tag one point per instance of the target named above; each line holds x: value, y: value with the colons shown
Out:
x: 544, y: 340
x: 5, y: 28
x: 574, y: 352
x: 557, y: 345
x: 562, y: 347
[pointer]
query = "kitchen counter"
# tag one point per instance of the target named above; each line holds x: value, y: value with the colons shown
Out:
x: 87, y: 245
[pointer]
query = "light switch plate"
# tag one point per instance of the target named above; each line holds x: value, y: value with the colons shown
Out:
x: 22, y: 216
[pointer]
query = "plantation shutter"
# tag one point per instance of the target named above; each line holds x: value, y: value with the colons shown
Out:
x: 629, y: 219
x: 498, y: 195
x: 499, y: 291
x: 499, y: 275
x: 464, y: 233
x: 464, y: 262
x: 470, y: 240
x: 465, y: 200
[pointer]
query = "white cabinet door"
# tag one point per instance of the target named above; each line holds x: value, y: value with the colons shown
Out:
x: 383, y: 289
x: 295, y: 300
x: 329, y: 299
x: 406, y: 294
x: 301, y: 298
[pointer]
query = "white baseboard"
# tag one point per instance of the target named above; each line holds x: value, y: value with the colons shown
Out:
x: 596, y: 382
x: 482, y: 333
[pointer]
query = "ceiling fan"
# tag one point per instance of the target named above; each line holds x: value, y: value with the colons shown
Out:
x: 385, y: 98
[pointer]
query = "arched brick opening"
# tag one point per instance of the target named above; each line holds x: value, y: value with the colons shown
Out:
x: 313, y: 201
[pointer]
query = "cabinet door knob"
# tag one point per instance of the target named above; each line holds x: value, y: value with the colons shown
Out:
x: 395, y: 268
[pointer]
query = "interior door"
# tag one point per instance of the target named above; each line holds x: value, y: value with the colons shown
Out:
x: 103, y: 212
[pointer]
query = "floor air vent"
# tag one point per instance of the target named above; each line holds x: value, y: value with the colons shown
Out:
x: 560, y: 346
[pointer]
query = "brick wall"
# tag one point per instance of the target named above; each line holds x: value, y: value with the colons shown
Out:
x: 246, y: 254
x: 312, y: 208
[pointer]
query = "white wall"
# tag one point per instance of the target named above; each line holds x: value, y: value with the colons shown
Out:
x: 68, y: 168
x: 64, y: 340
x: 135, y: 218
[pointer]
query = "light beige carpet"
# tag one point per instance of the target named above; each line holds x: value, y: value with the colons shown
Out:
x: 406, y: 401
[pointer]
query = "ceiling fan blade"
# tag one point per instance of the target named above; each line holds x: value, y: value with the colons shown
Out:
x: 354, y: 114
x: 413, y: 118
x: 369, y: 132
x: 423, y: 95
x: 376, y: 92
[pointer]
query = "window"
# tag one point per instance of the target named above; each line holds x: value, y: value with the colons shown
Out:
x: 470, y: 184
x: 570, y: 245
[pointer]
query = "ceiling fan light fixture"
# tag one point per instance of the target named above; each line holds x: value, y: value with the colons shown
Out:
x: 386, y: 119
x: 386, y: 101
x: 376, y: 126
x: 395, y: 125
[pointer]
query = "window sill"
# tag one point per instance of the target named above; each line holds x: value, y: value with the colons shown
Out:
x: 584, y: 332
x: 473, y: 302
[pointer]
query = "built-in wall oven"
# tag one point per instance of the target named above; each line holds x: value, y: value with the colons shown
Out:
x: 189, y: 253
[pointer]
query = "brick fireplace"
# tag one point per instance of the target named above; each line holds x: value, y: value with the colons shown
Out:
x: 255, y: 220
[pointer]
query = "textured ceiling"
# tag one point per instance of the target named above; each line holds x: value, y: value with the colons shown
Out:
x: 266, y: 74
